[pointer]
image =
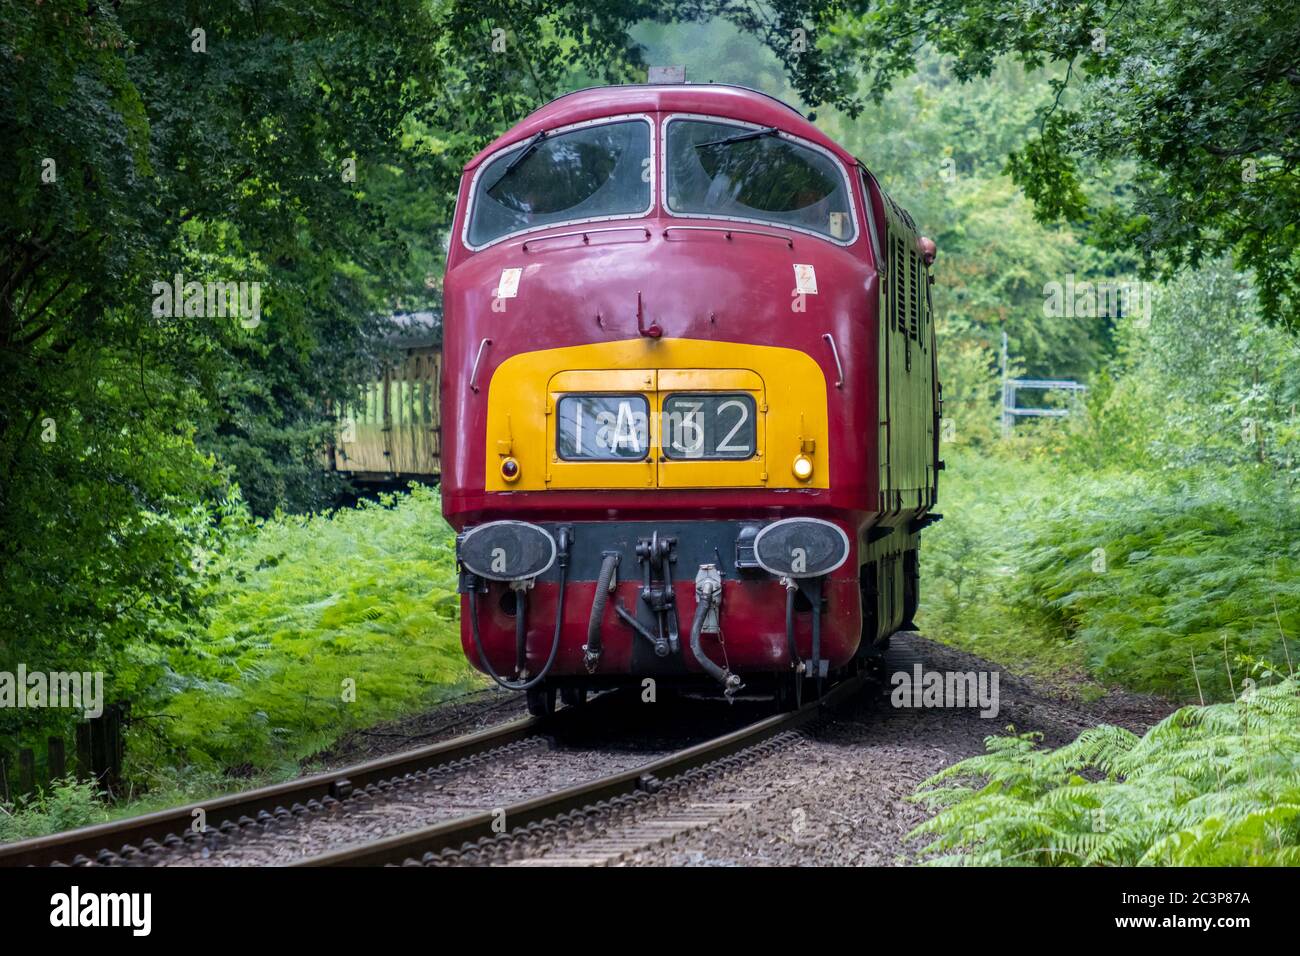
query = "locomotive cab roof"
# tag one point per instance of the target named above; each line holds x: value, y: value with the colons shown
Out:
x: 712, y: 99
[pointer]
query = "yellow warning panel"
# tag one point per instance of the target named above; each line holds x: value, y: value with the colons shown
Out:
x: 666, y: 413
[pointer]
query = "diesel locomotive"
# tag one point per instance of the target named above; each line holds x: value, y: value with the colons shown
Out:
x: 691, y: 397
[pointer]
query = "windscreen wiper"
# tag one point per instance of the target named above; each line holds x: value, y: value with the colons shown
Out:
x: 740, y: 137
x: 523, y: 153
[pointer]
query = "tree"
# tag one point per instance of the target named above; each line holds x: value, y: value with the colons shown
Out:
x: 1202, y: 99
x: 288, y: 145
x: 310, y: 150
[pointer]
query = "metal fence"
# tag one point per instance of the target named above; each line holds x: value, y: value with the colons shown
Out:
x: 1011, y: 387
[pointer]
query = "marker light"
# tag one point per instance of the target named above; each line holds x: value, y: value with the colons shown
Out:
x: 803, y: 467
x: 510, y: 469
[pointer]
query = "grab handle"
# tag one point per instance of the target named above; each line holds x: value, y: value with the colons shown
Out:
x: 473, y: 375
x: 839, y: 369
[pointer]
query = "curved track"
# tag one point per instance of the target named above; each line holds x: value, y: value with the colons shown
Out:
x: 122, y: 841
x: 261, y: 826
x: 507, y: 832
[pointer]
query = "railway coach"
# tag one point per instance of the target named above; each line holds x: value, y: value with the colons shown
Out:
x: 690, y: 397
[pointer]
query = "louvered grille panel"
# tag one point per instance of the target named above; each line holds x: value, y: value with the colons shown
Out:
x: 913, y: 297
x: 900, y: 285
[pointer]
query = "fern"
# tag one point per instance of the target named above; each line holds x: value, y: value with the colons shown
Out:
x: 1217, y: 785
x: 302, y: 608
x: 1206, y: 569
x: 1127, y: 578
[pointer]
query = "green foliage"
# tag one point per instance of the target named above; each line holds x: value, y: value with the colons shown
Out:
x: 299, y: 630
x: 1207, y: 786
x: 971, y: 391
x: 1150, y: 541
x: 970, y: 562
x: 1127, y: 577
x: 135, y: 158
x: 303, y: 611
x: 66, y: 805
x: 1177, y: 479
x: 938, y: 147
x: 1191, y: 104
x: 1118, y: 425
x: 1201, y: 380
x: 1147, y: 575
x: 91, y: 572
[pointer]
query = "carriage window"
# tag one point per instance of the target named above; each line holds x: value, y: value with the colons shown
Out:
x: 710, y: 425
x: 603, y: 427
x: 586, y: 173
x: 742, y: 172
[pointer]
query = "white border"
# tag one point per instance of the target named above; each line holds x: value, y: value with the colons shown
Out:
x: 506, y: 150
x: 526, y: 524
x: 845, y: 180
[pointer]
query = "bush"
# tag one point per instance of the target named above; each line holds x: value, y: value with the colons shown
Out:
x: 970, y: 561
x: 1207, y: 786
x: 1149, y: 577
x: 319, y: 624
x: 66, y: 805
x: 1044, y: 567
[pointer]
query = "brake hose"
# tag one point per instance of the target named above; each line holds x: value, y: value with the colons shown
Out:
x: 592, y: 649
x: 789, y: 623
x: 521, y: 611
x: 704, y: 603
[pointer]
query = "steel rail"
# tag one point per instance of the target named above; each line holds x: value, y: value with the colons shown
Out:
x: 395, y: 850
x: 337, y: 784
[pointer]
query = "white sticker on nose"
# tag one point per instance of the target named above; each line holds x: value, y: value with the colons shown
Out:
x: 805, y: 279
x: 508, y: 287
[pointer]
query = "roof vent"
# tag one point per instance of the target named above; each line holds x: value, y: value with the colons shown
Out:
x: 667, y: 74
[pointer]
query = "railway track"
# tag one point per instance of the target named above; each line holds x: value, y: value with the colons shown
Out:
x: 600, y: 812
x: 127, y: 841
